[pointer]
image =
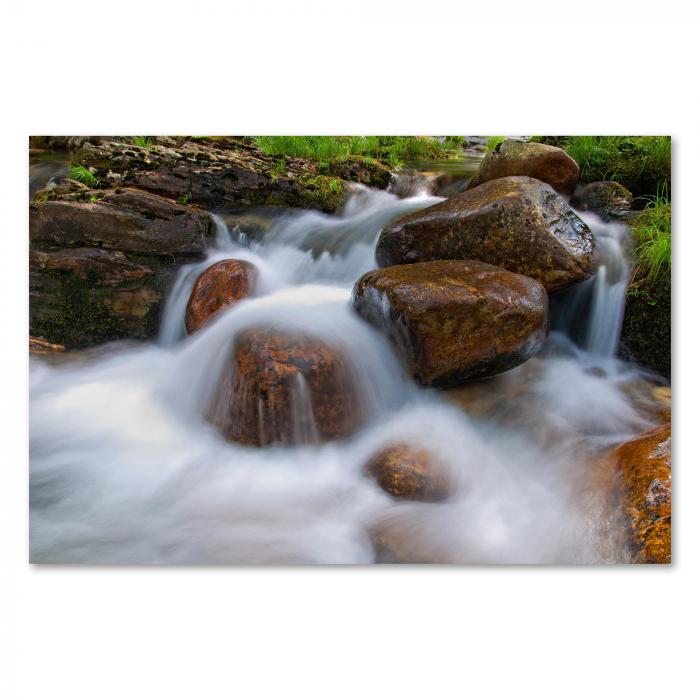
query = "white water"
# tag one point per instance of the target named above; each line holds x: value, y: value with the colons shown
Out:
x: 125, y: 469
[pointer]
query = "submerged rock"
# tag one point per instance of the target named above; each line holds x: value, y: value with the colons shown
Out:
x: 409, y: 473
x: 220, y: 285
x: 546, y: 163
x: 517, y: 223
x: 645, y: 467
x: 286, y: 388
x: 451, y: 321
x: 609, y: 200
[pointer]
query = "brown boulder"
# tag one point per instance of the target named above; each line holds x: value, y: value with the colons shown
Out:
x: 645, y: 467
x: 286, y: 388
x: 546, y: 163
x: 455, y: 320
x: 409, y: 473
x: 220, y: 285
x: 517, y: 223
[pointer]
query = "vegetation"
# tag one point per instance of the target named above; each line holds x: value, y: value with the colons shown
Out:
x: 652, y: 231
x: 493, y: 141
x: 82, y: 174
x: 185, y: 198
x: 392, y: 150
x: 142, y: 141
x: 641, y: 163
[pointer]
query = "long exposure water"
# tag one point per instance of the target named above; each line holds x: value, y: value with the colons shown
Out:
x: 125, y: 468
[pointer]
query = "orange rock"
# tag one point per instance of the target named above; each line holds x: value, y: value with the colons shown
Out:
x: 287, y: 389
x: 645, y: 466
x: 220, y: 285
x: 408, y: 472
x: 39, y: 346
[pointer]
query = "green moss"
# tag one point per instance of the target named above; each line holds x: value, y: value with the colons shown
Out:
x: 78, y: 315
x: 325, y: 193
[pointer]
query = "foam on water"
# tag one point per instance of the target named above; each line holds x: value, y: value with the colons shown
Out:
x: 124, y: 468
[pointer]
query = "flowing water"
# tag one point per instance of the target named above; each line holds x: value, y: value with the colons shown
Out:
x: 125, y: 468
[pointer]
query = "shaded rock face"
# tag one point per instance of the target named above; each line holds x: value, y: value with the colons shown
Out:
x: 609, y: 200
x: 645, y: 467
x: 101, y: 261
x: 451, y: 321
x: 546, y: 163
x: 517, y: 223
x: 286, y: 388
x: 220, y: 285
x: 409, y: 473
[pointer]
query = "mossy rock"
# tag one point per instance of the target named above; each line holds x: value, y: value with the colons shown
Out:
x: 325, y: 193
x: 646, y: 330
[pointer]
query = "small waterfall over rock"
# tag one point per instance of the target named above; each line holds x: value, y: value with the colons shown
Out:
x: 126, y: 467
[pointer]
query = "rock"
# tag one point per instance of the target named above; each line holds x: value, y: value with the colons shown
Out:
x: 220, y: 285
x: 517, y: 223
x: 609, y: 200
x: 451, y: 321
x: 546, y: 163
x: 409, y: 473
x: 646, y: 327
x: 645, y: 468
x: 366, y: 171
x: 101, y: 261
x: 286, y: 388
x: 225, y: 172
x: 127, y: 220
x: 39, y: 346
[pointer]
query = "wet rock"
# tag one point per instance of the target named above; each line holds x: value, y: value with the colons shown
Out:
x: 286, y: 388
x: 609, y: 200
x: 211, y: 172
x: 127, y: 220
x: 39, y: 346
x: 517, y: 223
x: 366, y: 171
x: 451, y: 321
x: 645, y: 467
x: 220, y: 285
x: 409, y: 473
x: 101, y: 261
x: 546, y: 163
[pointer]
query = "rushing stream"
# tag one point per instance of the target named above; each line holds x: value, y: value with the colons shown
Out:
x: 124, y: 468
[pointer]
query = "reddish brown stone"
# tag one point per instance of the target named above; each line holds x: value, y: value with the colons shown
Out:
x: 286, y: 388
x: 546, y: 163
x: 645, y: 467
x: 410, y: 473
x: 518, y: 223
x: 220, y: 285
x: 455, y: 320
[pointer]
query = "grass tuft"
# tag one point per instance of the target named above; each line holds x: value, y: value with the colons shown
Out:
x: 185, y: 198
x: 392, y: 150
x: 652, y: 230
x: 82, y: 174
x: 142, y: 141
x: 493, y: 141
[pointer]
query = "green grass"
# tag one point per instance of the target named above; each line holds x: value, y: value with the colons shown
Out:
x: 141, y: 141
x: 493, y: 141
x: 185, y: 198
x: 82, y: 174
x: 641, y: 163
x: 392, y: 150
x: 652, y: 231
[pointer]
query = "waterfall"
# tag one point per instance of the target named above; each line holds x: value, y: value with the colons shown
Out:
x: 126, y: 466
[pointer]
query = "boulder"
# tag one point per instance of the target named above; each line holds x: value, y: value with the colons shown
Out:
x: 409, y: 473
x: 645, y: 468
x: 546, y: 163
x: 609, y: 200
x: 518, y: 223
x: 451, y: 321
x: 220, y: 285
x: 286, y: 388
x: 101, y: 261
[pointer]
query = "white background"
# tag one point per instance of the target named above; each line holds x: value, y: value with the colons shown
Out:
x: 361, y: 67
